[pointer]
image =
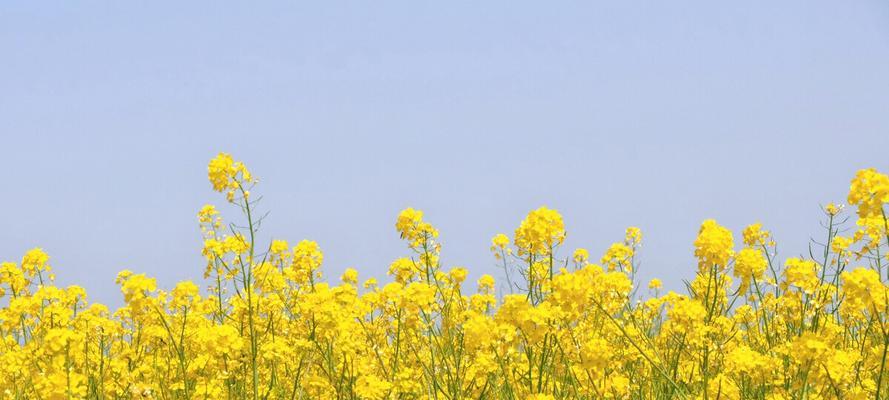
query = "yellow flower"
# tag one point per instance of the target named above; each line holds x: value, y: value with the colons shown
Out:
x: 802, y: 274
x: 863, y: 290
x: 370, y: 283
x: 723, y: 388
x: 755, y: 236
x: 486, y: 283
x: 618, y: 255
x: 745, y: 362
x: 833, y: 209
x: 183, y: 294
x: 35, y: 261
x: 749, y: 264
x: 869, y: 191
x: 403, y: 269
x: 372, y: 388
x: 808, y: 348
x: 581, y: 256
x: 713, y: 245
x: 500, y: 241
x: 655, y: 284
x: 541, y: 230
x: 227, y: 175
x: 279, y: 247
x: 840, y: 245
x: 350, y: 276
x: 458, y: 275
x: 207, y: 213
x: 633, y: 236
x: 686, y: 315
x: 411, y: 227
x: 307, y: 259
x: 499, y: 245
x: 236, y: 244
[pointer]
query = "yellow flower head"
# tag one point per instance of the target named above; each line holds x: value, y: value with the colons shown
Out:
x: 713, y: 245
x: 35, y: 261
x: 749, y: 264
x: 372, y: 387
x: 207, y: 213
x: 486, y: 283
x: 458, y: 275
x: 633, y: 236
x: 350, y: 276
x: 618, y: 255
x: 279, y: 247
x: 411, y: 227
x: 802, y: 274
x: 869, y: 191
x: 754, y: 235
x: 581, y: 256
x: 863, y: 291
x: 227, y: 175
x: 840, y: 245
x: 655, y: 284
x: 499, y: 245
x: 403, y: 269
x: 307, y: 259
x: 541, y: 230
x: 808, y: 348
x: 184, y: 293
x: 833, y: 209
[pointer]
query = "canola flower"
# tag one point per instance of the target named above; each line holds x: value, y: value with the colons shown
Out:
x: 265, y: 323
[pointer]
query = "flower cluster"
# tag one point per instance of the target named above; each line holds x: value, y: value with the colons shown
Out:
x: 541, y: 230
x: 267, y: 325
x: 228, y: 176
x: 870, y: 191
x: 713, y: 246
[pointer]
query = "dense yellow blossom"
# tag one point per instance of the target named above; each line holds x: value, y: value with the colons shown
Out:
x: 865, y: 292
x: 749, y: 264
x: 802, y: 274
x: 228, y: 176
x: 755, y: 236
x: 581, y: 256
x: 713, y: 245
x: 265, y: 324
x: 633, y: 236
x: 412, y: 228
x: 869, y: 191
x: 486, y: 283
x: 35, y: 261
x: 499, y: 245
x: 618, y: 255
x: 306, y: 263
x: 541, y: 230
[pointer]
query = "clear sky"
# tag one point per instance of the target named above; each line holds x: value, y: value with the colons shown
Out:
x: 658, y: 114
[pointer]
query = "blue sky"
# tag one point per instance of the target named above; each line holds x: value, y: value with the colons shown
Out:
x: 654, y: 114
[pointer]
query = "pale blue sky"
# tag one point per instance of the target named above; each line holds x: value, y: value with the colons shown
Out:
x: 658, y: 114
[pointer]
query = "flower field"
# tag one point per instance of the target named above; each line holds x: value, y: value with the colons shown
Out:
x: 265, y: 323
